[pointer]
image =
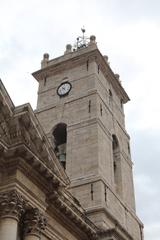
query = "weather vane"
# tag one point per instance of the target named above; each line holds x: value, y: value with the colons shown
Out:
x: 81, y: 41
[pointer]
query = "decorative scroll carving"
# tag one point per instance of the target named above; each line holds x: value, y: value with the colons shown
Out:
x: 12, y: 204
x: 34, y: 222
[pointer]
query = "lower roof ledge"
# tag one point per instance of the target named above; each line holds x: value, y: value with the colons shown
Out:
x: 114, y: 234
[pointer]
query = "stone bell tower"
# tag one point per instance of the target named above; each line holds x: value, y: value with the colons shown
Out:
x: 80, y: 107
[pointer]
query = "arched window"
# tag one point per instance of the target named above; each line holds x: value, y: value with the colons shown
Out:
x: 60, y: 140
x: 116, y: 163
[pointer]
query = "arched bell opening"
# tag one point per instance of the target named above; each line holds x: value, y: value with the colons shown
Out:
x: 116, y: 163
x: 60, y: 140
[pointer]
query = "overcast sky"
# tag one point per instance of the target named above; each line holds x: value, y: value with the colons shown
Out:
x: 128, y: 31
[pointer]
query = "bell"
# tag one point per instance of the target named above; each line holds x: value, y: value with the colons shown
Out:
x: 62, y: 157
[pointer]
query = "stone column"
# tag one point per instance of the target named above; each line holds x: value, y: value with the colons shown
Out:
x: 34, y: 224
x: 11, y: 209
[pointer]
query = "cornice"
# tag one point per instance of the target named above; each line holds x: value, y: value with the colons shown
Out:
x: 94, y: 179
x: 56, y: 67
x: 18, y: 157
x: 119, y: 228
x: 110, y: 76
x: 5, y: 98
x: 114, y: 234
x: 67, y: 61
x: 68, y: 209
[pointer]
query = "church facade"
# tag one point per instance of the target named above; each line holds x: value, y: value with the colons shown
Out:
x: 65, y: 168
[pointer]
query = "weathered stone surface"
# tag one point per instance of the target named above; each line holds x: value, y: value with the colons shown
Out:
x: 93, y: 112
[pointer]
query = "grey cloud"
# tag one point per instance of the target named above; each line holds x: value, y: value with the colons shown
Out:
x: 145, y: 154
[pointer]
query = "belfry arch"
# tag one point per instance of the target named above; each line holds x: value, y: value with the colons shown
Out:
x: 116, y: 164
x: 59, y: 134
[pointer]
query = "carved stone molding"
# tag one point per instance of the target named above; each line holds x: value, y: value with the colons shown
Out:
x: 12, y: 204
x: 34, y: 222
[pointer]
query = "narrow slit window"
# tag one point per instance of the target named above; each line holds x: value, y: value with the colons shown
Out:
x: 121, y: 102
x: 87, y: 64
x: 101, y: 109
x: 89, y: 106
x: 45, y: 81
x: 129, y: 151
x: 110, y: 97
x: 98, y: 68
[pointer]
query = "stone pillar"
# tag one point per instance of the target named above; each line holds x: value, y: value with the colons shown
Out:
x: 34, y: 224
x: 11, y: 209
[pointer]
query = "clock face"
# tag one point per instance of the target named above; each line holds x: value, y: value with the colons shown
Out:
x: 64, y: 89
